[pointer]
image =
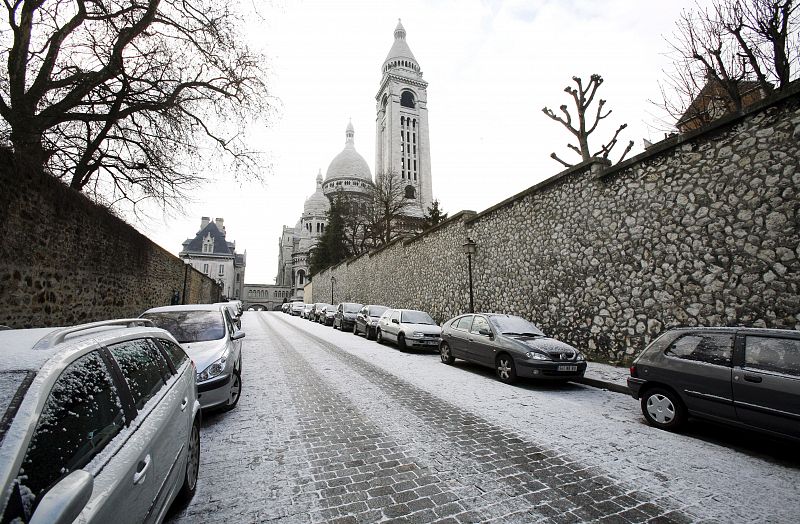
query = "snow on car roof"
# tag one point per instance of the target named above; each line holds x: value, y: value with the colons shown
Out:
x: 188, y: 307
x: 16, y: 351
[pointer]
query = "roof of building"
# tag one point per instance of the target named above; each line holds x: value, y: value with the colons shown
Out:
x: 348, y: 163
x: 400, y: 48
x: 317, y: 204
x: 221, y: 246
x: 712, y: 89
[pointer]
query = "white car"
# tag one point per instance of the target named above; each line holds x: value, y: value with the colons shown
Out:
x: 296, y: 309
x: 101, y: 423
x: 408, y: 328
x: 208, y: 333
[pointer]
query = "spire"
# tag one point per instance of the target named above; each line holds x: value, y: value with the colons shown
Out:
x: 399, y: 31
x: 349, y: 134
x: 319, y: 179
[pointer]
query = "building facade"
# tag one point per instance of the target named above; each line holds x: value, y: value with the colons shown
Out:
x: 264, y: 296
x: 211, y: 254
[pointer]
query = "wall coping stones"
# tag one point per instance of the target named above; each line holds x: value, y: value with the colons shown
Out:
x: 464, y: 215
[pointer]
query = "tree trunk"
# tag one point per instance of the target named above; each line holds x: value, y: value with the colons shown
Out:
x: 30, y: 155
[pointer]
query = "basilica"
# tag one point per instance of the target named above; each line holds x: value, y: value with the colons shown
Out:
x: 402, y: 152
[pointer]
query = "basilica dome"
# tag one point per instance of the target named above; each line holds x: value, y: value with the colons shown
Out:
x: 317, y: 204
x: 349, y: 163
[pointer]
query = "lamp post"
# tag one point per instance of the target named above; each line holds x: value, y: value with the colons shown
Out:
x: 333, y: 281
x: 469, y: 250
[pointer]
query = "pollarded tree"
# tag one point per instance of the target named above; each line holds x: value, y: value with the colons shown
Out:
x: 583, y: 98
x: 121, y: 97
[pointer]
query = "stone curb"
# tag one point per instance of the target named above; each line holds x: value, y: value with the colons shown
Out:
x: 602, y: 384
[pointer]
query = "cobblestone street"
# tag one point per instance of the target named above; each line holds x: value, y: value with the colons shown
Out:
x: 334, y: 428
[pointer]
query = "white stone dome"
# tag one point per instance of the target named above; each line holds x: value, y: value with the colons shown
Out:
x: 349, y: 163
x: 317, y: 204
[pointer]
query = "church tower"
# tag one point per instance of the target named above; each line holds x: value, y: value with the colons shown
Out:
x: 402, y: 144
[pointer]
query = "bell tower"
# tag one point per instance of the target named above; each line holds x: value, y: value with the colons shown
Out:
x: 402, y: 144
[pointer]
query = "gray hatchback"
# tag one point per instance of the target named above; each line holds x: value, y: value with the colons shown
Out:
x: 747, y: 377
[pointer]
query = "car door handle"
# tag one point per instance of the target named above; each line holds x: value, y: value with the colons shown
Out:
x: 752, y: 378
x: 184, y: 404
x: 470, y: 339
x: 141, y: 470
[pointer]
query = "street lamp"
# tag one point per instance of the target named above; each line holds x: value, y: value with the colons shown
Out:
x: 469, y: 250
x: 333, y: 281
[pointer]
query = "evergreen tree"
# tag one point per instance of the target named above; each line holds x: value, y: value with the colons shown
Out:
x: 433, y: 215
x: 332, y: 246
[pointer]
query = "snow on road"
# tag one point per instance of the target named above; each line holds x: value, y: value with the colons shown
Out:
x: 334, y: 427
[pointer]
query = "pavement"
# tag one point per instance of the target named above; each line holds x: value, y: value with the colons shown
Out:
x: 606, y: 376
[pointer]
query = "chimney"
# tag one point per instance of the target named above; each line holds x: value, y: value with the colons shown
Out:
x: 204, y: 222
x: 219, y: 222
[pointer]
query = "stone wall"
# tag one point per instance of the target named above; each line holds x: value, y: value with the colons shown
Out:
x: 701, y: 229
x: 66, y: 260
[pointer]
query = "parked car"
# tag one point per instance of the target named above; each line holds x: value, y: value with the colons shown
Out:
x: 239, y: 307
x: 367, y: 320
x: 296, y: 309
x: 319, y: 312
x: 101, y: 423
x: 328, y: 313
x: 408, y: 328
x: 285, y: 307
x: 345, y: 315
x: 233, y: 311
x: 307, y: 309
x: 208, y: 334
x: 511, y: 345
x: 747, y: 377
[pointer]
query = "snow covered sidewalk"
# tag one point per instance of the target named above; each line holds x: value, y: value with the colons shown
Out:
x: 606, y: 376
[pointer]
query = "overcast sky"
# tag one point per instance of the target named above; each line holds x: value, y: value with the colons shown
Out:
x: 491, y: 67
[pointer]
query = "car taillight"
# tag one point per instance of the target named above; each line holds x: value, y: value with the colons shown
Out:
x: 634, y: 373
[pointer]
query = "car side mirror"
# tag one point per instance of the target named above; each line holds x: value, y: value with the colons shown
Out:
x: 485, y: 332
x: 65, y: 501
x: 395, y: 321
x: 237, y: 335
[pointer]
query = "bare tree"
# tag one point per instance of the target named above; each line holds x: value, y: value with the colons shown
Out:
x: 389, y: 203
x: 583, y: 97
x: 124, y: 96
x: 728, y: 55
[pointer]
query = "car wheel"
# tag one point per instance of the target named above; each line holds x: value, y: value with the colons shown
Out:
x: 506, y: 371
x: 663, y: 409
x: 235, y: 392
x: 379, y: 336
x: 192, y: 464
x: 445, y: 354
x: 401, y: 342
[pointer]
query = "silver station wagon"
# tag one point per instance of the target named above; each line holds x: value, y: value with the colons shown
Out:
x: 101, y: 423
x: 747, y: 377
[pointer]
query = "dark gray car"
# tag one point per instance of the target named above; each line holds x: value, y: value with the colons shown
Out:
x: 367, y: 320
x: 511, y: 345
x: 743, y: 376
x: 345, y: 315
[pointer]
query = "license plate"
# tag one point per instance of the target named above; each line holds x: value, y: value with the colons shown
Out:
x: 568, y: 368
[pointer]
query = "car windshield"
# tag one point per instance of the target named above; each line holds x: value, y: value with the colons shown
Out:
x: 416, y: 317
x: 351, y: 308
x: 190, y: 326
x: 508, y: 325
x: 376, y: 311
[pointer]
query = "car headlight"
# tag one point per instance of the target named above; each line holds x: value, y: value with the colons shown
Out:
x: 535, y: 355
x: 214, y: 369
x: 579, y: 357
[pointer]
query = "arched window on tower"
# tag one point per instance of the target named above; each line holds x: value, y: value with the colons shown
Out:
x: 411, y: 192
x: 407, y: 99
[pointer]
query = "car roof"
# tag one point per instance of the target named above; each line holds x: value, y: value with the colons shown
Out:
x: 734, y: 329
x: 188, y: 307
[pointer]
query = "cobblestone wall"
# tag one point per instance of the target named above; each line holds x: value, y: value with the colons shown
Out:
x: 65, y: 260
x: 702, y: 229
